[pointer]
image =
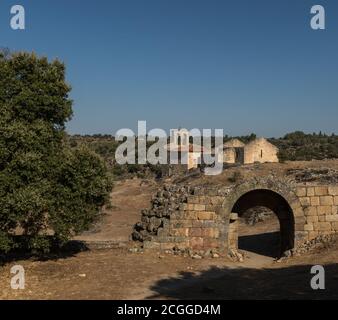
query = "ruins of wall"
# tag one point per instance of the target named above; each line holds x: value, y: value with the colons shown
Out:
x: 200, y: 218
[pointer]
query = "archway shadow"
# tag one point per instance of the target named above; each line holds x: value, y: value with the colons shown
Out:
x: 266, y: 244
x: 287, y: 283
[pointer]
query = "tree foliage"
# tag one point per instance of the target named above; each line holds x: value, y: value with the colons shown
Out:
x: 46, y: 187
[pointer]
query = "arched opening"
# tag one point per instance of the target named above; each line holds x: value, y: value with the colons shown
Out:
x: 282, y: 231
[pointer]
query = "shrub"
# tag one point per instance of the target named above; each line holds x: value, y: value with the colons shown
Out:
x: 46, y: 188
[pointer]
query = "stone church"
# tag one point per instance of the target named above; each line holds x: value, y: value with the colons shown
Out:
x: 234, y: 151
x: 257, y: 151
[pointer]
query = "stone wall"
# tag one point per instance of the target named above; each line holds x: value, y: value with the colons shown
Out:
x: 201, y: 218
x: 320, y: 205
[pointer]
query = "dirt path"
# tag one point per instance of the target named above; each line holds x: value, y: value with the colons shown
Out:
x: 128, y: 199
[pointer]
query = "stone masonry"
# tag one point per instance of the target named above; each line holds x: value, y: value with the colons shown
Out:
x: 203, y: 218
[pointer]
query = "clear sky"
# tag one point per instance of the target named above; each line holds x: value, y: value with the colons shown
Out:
x: 242, y: 65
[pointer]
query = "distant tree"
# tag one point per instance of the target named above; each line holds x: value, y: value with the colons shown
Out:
x: 47, y: 189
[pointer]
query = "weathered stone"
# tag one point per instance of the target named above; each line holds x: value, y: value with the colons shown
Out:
x: 321, y: 191
x: 335, y: 199
x: 311, y: 219
x: 313, y: 234
x: 322, y: 226
x: 326, y: 201
x: 233, y: 216
x: 310, y: 192
x: 305, y: 201
x: 310, y: 211
x: 199, y: 218
x: 190, y: 215
x: 314, y: 201
x: 195, y: 232
x: 205, y: 215
x: 179, y: 232
x: 301, y: 192
x: 199, y: 207
x: 196, y: 243
x: 211, y: 243
x: 333, y: 190
x: 332, y: 218
x: 324, y: 210
x: 321, y: 218
x: 210, y: 232
x: 308, y: 227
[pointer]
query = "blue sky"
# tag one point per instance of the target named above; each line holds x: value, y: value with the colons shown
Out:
x: 244, y: 66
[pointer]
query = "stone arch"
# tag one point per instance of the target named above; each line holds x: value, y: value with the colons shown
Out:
x: 278, y: 196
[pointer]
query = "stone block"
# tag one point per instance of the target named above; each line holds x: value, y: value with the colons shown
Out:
x: 299, y: 212
x: 210, y: 243
x: 332, y: 218
x: 299, y: 226
x: 198, y: 223
x: 335, y: 200
x: 183, y: 206
x: 193, y: 200
x: 199, y: 207
x: 181, y: 223
x: 314, y: 201
x: 322, y: 226
x: 313, y: 235
x: 333, y: 191
x: 190, y: 215
x: 210, y: 232
x: 324, y: 210
x: 311, y: 219
x: 177, y: 215
x: 190, y: 206
x: 301, y: 192
x: 305, y: 201
x: 310, y: 192
x: 196, y: 243
x: 233, y: 216
x: 182, y: 245
x: 310, y: 211
x: 321, y: 191
x: 179, y: 232
x: 205, y: 215
x: 195, y: 232
x: 308, y: 227
x: 326, y: 201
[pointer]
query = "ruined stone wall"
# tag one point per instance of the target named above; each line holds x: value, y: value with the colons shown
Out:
x: 199, y: 218
x: 193, y: 221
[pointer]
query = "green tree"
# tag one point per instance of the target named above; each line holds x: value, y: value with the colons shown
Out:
x: 47, y: 190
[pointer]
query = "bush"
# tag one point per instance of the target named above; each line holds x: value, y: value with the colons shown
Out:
x: 46, y: 188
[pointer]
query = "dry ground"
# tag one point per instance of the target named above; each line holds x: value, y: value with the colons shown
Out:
x: 121, y: 274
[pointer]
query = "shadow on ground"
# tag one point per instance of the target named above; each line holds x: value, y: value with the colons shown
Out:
x: 70, y: 249
x: 266, y: 244
x: 291, y: 282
